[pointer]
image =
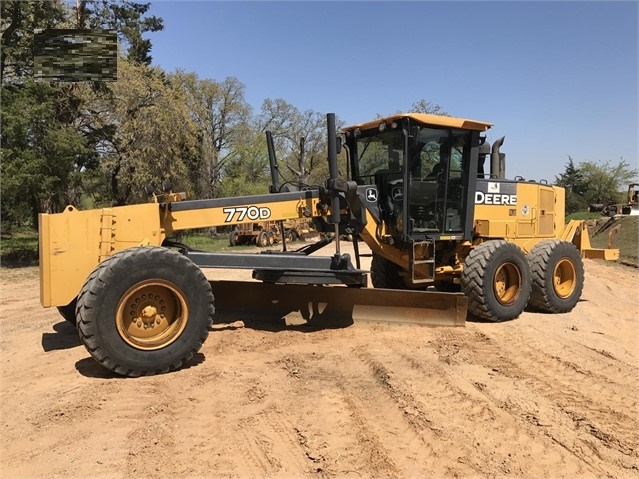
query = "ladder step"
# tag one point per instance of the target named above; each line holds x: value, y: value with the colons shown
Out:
x: 412, y: 262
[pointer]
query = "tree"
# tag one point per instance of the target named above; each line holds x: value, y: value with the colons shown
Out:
x: 40, y: 153
x: 220, y: 112
x: 573, y: 181
x: 594, y: 183
x: 425, y: 106
x: 18, y: 21
x: 151, y: 134
x: 247, y: 172
x: 300, y: 140
x: 605, y: 182
x: 124, y: 16
x: 52, y: 139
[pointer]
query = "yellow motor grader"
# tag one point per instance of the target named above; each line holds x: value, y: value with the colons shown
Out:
x: 449, y: 236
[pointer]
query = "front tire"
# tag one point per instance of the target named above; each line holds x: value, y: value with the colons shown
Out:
x: 496, y: 280
x: 145, y: 310
x: 385, y: 273
x: 557, y: 276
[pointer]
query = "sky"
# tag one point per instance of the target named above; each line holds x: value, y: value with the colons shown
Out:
x: 556, y: 78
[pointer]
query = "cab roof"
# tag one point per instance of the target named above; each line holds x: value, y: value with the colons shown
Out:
x: 426, y: 119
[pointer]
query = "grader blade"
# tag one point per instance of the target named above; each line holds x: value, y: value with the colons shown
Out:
x: 294, y: 304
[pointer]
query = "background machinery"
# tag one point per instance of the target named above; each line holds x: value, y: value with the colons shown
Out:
x: 417, y: 192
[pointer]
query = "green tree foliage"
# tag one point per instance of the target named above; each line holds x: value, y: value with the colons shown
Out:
x: 124, y: 16
x: 573, y: 181
x: 18, y: 20
x: 595, y: 183
x: 606, y: 182
x: 100, y: 144
x: 153, y: 134
x: 220, y: 111
x: 247, y: 172
x: 41, y: 154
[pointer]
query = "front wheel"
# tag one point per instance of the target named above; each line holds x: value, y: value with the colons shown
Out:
x: 145, y: 310
x: 496, y: 280
x: 558, y: 276
x: 385, y: 273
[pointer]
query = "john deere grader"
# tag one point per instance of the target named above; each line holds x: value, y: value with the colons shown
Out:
x: 449, y: 236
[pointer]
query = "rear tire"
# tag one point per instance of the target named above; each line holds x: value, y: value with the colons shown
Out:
x: 270, y: 238
x: 496, y: 279
x: 145, y: 310
x: 557, y: 276
x: 385, y: 273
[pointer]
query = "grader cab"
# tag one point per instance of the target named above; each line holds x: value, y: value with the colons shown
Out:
x: 447, y: 238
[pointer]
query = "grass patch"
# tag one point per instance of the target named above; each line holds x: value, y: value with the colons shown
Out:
x: 583, y: 215
x: 19, y: 247
x: 627, y: 239
x: 205, y: 242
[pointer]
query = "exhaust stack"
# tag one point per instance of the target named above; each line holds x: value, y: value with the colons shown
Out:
x: 498, y: 160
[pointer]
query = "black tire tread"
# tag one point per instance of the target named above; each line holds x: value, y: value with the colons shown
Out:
x: 475, y: 284
x: 100, y: 278
x: 542, y: 298
x: 385, y: 273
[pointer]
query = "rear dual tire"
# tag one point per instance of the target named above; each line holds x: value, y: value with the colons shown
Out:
x: 557, y: 276
x: 497, y: 281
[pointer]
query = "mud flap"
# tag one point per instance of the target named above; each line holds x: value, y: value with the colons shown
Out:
x: 293, y: 304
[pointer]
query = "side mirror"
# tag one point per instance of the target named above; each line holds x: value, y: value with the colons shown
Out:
x: 338, y: 144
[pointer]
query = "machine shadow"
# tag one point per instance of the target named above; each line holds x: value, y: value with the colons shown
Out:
x: 271, y: 307
x: 65, y: 337
x: 276, y: 307
x: 90, y: 368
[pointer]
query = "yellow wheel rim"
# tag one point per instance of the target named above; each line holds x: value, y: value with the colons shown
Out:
x: 152, y: 314
x: 564, y: 278
x: 507, y: 283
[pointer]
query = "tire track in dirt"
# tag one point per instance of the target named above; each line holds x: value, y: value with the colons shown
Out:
x: 248, y: 433
x: 560, y: 401
x: 362, y: 441
x: 574, y: 387
x: 480, y: 425
x: 383, y: 430
x: 150, y: 445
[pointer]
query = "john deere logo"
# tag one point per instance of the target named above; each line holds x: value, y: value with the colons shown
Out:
x: 371, y: 194
x: 397, y: 193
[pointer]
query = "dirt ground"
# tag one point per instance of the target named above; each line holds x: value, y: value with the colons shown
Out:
x: 540, y: 396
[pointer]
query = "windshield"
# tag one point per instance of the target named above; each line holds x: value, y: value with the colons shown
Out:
x: 379, y: 152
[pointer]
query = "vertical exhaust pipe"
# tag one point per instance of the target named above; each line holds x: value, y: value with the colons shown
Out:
x: 498, y: 160
x: 272, y: 162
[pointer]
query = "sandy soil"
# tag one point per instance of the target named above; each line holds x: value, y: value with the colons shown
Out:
x: 541, y: 396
